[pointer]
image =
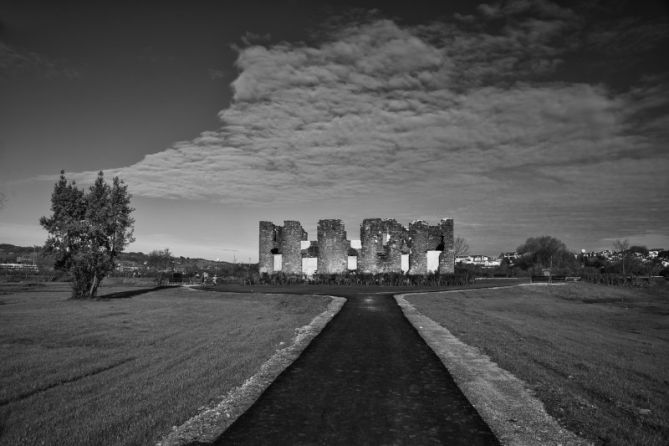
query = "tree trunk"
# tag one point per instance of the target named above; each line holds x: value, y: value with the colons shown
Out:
x: 94, y: 287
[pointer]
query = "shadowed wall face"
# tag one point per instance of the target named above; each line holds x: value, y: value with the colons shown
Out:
x: 447, y: 257
x: 332, y: 247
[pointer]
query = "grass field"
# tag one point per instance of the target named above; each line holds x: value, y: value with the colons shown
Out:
x: 597, y: 356
x: 124, y: 371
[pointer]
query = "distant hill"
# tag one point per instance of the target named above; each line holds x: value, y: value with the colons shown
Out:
x: 7, y: 250
x: 25, y: 254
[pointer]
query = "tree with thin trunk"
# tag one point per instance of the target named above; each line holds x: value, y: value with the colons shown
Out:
x: 460, y: 247
x: 88, y: 230
x: 160, y: 259
x: 622, y: 247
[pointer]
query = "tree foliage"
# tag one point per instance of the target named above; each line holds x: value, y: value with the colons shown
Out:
x: 160, y: 259
x: 621, y: 245
x: 88, y: 230
x: 638, y: 249
x: 543, y: 252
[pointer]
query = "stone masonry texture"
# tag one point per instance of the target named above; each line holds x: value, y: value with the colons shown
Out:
x: 383, y: 242
x: 447, y: 257
x: 332, y: 247
x: 266, y: 245
x: 418, y: 236
x: 290, y: 247
x: 284, y: 240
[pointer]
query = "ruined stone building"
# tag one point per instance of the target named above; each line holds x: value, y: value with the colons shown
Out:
x: 385, y: 246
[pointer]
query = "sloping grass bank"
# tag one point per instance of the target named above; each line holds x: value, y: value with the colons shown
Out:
x: 596, y: 356
x: 124, y: 371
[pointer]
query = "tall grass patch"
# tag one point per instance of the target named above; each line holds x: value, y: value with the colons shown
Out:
x: 124, y: 371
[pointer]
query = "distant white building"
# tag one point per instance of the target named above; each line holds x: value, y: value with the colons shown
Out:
x: 478, y: 260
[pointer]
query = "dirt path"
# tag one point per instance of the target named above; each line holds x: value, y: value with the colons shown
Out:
x: 368, y: 378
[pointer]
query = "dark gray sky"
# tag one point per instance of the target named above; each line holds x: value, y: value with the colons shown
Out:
x: 516, y: 119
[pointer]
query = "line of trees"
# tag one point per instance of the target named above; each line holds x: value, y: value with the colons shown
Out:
x: 630, y: 263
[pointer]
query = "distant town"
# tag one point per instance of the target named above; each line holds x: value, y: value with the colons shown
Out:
x: 643, y: 255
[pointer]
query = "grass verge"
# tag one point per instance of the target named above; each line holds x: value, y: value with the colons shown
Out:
x: 595, y: 356
x: 124, y: 371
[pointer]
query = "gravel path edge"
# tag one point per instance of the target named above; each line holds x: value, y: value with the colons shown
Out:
x: 210, y: 423
x: 505, y: 403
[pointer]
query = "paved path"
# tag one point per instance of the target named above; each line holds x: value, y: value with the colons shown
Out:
x: 367, y: 379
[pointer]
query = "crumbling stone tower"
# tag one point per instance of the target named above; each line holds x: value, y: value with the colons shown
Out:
x: 384, y: 241
x: 284, y: 241
x: 332, y: 247
x: 425, y: 238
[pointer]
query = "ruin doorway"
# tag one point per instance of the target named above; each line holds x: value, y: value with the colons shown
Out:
x: 404, y: 263
x: 278, y: 262
x: 433, y: 261
x: 309, y: 266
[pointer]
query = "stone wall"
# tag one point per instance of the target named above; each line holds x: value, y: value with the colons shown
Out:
x: 284, y: 240
x: 291, y: 246
x: 383, y: 243
x: 332, y: 247
x: 423, y: 238
x: 266, y: 243
x: 447, y: 257
x: 418, y: 241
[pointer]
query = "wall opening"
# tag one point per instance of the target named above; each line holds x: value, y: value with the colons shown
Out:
x: 278, y: 262
x: 352, y: 263
x: 404, y: 263
x: 309, y: 266
x: 433, y: 261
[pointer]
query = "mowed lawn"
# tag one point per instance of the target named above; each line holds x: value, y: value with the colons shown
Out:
x: 124, y: 371
x: 597, y: 356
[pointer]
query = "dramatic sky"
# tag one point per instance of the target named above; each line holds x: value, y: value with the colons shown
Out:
x: 516, y: 119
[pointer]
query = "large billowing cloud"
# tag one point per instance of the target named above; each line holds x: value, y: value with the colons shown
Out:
x: 468, y: 112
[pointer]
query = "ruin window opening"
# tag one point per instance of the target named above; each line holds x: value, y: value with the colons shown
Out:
x: 274, y: 251
x: 441, y: 245
x: 386, y: 238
